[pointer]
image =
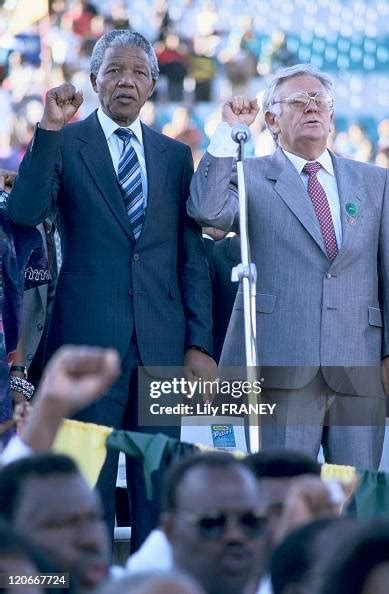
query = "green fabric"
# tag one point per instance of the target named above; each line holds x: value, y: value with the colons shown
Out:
x: 371, y: 498
x: 148, y: 449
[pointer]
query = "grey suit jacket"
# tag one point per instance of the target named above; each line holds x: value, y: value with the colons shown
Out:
x: 311, y: 312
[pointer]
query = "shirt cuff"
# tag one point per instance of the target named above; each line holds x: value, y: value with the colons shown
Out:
x: 15, y: 449
x: 221, y: 144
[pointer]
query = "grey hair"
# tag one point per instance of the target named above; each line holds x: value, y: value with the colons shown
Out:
x: 123, y: 37
x: 284, y: 74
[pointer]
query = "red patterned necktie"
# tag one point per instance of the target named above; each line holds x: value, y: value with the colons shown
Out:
x: 322, y: 208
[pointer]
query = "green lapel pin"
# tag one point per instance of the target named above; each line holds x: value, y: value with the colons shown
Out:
x: 351, y: 209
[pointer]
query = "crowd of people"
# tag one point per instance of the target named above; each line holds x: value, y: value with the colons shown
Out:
x: 203, y: 54
x: 264, y: 523
x: 112, y: 241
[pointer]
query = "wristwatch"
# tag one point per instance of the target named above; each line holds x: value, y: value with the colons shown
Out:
x: 19, y: 369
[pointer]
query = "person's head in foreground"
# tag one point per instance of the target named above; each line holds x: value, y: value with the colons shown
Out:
x: 46, y: 499
x: 298, y: 562
x: 18, y: 558
x: 171, y: 582
x: 214, y: 522
x: 362, y: 567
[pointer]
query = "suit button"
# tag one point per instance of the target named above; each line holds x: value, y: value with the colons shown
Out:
x: 328, y: 275
x: 29, y: 357
x: 136, y: 257
x: 39, y: 327
x: 130, y: 292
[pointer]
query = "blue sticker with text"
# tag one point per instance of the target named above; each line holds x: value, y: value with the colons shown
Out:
x: 223, y: 436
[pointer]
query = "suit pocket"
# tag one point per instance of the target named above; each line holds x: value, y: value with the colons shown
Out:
x: 265, y: 302
x: 375, y: 317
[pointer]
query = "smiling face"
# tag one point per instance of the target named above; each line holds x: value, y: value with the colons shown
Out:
x: 123, y: 83
x: 302, y: 133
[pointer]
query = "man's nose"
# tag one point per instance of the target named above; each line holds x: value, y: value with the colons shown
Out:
x: 234, y: 531
x: 126, y: 80
x: 91, y: 537
x: 311, y: 104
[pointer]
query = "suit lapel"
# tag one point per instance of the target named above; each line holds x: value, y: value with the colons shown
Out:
x: 156, y: 165
x: 289, y: 186
x: 95, y: 153
x: 351, y: 192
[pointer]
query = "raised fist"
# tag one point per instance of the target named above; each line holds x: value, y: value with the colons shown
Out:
x: 61, y: 104
x: 240, y: 110
x: 7, y: 179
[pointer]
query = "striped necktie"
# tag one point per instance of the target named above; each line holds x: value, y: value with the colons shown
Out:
x: 130, y: 180
x: 322, y: 208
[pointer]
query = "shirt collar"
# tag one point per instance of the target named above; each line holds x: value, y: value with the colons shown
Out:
x: 109, y: 126
x: 324, y: 160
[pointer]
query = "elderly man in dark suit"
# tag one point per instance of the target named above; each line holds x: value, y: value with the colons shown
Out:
x: 319, y: 227
x: 134, y: 274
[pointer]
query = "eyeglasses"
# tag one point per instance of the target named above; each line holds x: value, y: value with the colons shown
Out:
x: 213, y: 525
x: 300, y: 101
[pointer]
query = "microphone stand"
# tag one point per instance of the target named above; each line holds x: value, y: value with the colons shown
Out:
x: 246, y: 272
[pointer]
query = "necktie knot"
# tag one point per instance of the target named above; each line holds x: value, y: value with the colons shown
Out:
x: 124, y: 134
x: 311, y: 168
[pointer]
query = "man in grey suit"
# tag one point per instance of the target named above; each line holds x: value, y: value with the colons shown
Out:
x: 318, y: 226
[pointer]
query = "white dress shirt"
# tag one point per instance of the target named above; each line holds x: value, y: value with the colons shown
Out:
x: 327, y: 179
x: 115, y: 145
x: 222, y: 145
x: 155, y: 554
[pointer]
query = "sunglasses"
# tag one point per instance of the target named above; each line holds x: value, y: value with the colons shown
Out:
x: 213, y: 525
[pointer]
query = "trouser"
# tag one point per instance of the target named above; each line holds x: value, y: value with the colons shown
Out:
x: 119, y: 409
x: 350, y: 428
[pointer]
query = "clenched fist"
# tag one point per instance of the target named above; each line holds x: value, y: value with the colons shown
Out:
x: 240, y: 110
x: 7, y: 179
x: 61, y: 104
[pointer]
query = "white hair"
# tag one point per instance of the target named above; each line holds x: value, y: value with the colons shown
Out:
x: 284, y: 74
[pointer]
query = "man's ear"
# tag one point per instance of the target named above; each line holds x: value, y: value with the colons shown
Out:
x: 167, y: 524
x: 272, y: 122
x: 332, y: 124
x: 92, y: 78
x: 152, y: 88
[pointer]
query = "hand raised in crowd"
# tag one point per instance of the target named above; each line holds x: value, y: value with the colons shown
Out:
x: 240, y: 110
x: 61, y: 105
x: 75, y: 377
x: 22, y: 412
x: 7, y: 179
x: 309, y: 499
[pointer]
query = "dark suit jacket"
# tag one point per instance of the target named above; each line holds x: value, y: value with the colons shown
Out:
x: 109, y: 285
x: 222, y: 256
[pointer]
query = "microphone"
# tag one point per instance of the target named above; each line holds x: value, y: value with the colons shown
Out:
x: 240, y: 133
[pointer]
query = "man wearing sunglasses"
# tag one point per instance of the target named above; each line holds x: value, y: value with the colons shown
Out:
x: 214, y: 523
x: 318, y: 227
